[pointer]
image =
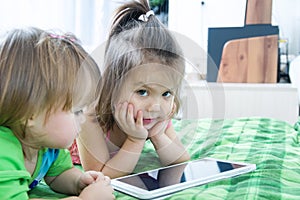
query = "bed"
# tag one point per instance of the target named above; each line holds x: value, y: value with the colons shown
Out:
x: 271, y: 144
x: 258, y: 124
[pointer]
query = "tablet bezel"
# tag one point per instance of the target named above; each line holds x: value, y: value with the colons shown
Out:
x: 146, y: 194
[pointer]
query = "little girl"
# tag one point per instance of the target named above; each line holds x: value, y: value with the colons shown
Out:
x: 42, y: 97
x: 143, y: 70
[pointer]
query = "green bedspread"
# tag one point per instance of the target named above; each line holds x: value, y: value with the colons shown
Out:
x: 270, y: 144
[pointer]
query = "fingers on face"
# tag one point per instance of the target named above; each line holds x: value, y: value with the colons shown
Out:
x: 125, y: 115
x: 139, y: 118
x: 123, y: 110
x: 129, y: 116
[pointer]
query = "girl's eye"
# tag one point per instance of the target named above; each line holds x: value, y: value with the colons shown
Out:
x: 78, y: 112
x: 166, y: 94
x: 142, y: 93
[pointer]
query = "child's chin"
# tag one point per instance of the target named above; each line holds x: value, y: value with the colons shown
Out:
x: 150, y: 126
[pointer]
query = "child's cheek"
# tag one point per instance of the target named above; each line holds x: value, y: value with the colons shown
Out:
x: 134, y: 113
x: 135, y: 109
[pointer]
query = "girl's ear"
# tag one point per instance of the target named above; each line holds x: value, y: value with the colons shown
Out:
x: 173, y: 110
x: 30, y: 121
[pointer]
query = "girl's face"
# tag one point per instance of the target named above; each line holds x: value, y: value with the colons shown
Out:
x: 58, y: 131
x: 151, y: 89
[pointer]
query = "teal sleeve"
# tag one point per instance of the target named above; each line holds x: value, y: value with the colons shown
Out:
x: 61, y: 164
x: 14, y: 178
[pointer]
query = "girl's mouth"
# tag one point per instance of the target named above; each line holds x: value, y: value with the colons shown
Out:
x: 147, y: 121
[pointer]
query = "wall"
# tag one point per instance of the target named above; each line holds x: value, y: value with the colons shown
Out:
x: 233, y: 100
x: 286, y: 14
x: 193, y: 17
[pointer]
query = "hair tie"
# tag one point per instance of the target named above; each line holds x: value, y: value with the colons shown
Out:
x: 145, y: 17
x: 62, y: 37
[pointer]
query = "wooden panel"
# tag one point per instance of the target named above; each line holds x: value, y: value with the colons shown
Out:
x: 249, y: 60
x: 258, y: 12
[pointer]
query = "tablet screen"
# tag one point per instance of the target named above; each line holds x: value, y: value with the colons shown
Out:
x: 182, y: 173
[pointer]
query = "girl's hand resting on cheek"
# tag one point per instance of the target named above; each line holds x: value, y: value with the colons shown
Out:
x: 158, y: 129
x: 161, y: 126
x: 94, y: 185
x: 125, y: 118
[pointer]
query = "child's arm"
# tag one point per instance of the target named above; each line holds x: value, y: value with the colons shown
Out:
x: 94, y: 153
x: 121, y: 164
x: 88, y: 185
x: 168, y: 147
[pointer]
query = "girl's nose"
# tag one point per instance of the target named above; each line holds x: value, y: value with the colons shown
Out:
x: 154, y: 107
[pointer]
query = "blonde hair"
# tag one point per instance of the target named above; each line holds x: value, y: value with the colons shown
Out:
x: 40, y: 72
x: 131, y: 43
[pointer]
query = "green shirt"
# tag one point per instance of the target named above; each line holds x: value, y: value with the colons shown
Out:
x: 14, y: 177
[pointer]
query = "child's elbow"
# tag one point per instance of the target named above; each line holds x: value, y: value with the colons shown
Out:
x: 186, y: 157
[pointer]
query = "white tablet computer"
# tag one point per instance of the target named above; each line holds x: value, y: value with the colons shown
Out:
x: 167, y: 180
